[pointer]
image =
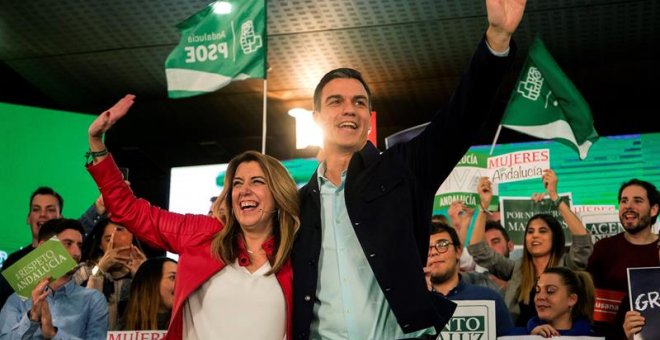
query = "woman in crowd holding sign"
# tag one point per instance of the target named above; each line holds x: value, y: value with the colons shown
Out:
x: 234, y: 280
x: 543, y: 247
x: 564, y: 303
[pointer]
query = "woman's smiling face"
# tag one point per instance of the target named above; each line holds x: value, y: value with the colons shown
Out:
x: 252, y: 201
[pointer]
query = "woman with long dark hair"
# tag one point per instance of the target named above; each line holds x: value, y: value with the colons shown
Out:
x: 152, y: 295
x: 543, y: 247
x: 109, y: 269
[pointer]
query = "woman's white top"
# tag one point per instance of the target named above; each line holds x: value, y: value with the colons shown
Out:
x: 236, y: 304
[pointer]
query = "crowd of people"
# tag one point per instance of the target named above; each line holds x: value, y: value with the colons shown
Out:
x: 351, y: 255
x: 553, y: 288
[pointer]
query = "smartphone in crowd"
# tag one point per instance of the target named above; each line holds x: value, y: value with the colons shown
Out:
x: 123, y: 238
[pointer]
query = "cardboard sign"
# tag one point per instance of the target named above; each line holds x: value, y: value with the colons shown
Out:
x: 516, y: 211
x: 136, y: 335
x: 461, y: 184
x: 518, y: 166
x: 601, y: 224
x: 473, y: 319
x: 49, y: 259
x: 607, y: 304
x: 644, y: 293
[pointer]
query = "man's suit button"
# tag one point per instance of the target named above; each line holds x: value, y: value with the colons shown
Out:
x: 308, y: 298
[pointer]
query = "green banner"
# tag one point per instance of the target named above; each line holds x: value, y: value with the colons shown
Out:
x: 49, y: 259
x: 226, y: 41
x: 545, y: 104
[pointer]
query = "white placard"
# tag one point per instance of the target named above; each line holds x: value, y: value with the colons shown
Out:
x: 136, y: 335
x: 518, y: 166
x: 473, y: 319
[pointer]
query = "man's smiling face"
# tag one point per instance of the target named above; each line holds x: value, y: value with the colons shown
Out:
x: 344, y: 115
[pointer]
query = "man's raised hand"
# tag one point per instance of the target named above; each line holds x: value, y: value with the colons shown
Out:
x: 504, y: 16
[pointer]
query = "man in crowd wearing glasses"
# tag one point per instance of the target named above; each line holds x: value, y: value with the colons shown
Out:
x: 444, y: 253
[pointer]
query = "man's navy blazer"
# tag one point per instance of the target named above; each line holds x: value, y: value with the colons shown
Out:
x: 389, y: 197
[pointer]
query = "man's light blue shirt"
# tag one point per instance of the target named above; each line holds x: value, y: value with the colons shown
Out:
x: 349, y: 302
x: 77, y: 312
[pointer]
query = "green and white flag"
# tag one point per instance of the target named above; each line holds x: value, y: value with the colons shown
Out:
x: 545, y: 104
x: 226, y: 41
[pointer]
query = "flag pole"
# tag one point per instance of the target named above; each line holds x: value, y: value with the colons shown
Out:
x: 263, y: 122
x: 497, y: 135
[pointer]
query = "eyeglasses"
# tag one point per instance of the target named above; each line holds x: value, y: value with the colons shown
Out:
x: 441, y: 246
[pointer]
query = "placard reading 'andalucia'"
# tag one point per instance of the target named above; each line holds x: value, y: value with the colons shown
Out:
x: 461, y: 183
x: 49, y: 259
x: 518, y: 166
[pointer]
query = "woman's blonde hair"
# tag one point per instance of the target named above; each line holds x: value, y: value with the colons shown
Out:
x: 286, y: 219
x: 528, y: 277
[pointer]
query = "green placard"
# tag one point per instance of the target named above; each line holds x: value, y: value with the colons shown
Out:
x: 516, y: 211
x: 49, y: 259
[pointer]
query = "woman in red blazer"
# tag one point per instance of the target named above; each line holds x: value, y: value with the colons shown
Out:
x: 225, y: 287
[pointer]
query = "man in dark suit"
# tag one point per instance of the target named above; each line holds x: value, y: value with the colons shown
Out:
x: 363, y: 243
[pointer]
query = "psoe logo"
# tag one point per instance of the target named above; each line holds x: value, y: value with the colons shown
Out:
x: 530, y: 88
x: 250, y: 42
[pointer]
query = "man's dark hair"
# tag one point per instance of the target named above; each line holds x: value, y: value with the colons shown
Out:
x: 651, y: 192
x: 47, y: 191
x: 440, y: 218
x: 496, y: 225
x: 439, y: 227
x: 344, y: 73
x: 57, y: 225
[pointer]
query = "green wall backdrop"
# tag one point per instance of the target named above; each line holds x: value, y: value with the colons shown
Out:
x: 40, y: 147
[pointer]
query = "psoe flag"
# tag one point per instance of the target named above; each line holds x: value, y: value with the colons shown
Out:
x: 226, y: 41
x: 545, y: 104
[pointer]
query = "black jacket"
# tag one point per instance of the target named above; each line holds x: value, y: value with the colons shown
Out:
x: 389, y: 197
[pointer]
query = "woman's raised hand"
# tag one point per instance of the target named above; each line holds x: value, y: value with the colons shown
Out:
x: 105, y: 120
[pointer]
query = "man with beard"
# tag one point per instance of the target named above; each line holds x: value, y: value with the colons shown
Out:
x: 443, y: 265
x: 636, y: 246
